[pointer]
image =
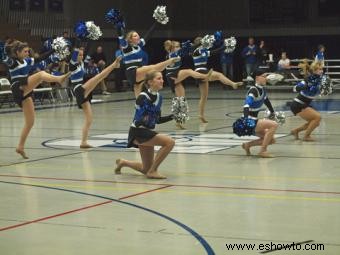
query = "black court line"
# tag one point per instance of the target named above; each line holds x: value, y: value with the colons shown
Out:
x: 287, y: 247
x: 41, y: 159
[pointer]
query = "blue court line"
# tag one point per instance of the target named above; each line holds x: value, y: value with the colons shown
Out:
x: 199, y: 238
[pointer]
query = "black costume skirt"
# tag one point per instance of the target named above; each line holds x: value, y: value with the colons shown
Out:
x: 141, y: 135
x: 79, y: 93
x: 18, y: 93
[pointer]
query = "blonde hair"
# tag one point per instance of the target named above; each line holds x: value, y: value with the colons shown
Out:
x: 307, y: 68
x: 16, y: 46
x: 129, y: 35
x: 149, y: 77
x: 170, y: 45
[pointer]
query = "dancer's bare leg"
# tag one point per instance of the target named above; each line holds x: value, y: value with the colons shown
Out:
x: 217, y: 76
x: 147, y: 154
x: 185, y: 73
x: 269, y: 128
x: 90, y: 85
x: 143, y: 70
x: 86, y: 126
x: 166, y: 144
x: 295, y: 132
x: 313, y: 117
x: 36, y: 79
x: 29, y: 116
x: 204, y: 90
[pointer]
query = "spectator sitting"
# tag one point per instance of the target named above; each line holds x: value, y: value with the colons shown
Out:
x: 283, y: 65
x: 320, y: 55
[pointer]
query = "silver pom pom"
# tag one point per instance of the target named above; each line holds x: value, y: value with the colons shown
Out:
x: 160, y: 15
x: 94, y: 31
x: 208, y: 41
x: 278, y: 117
x: 60, y: 46
x: 230, y: 44
x: 326, y: 86
x: 180, y: 109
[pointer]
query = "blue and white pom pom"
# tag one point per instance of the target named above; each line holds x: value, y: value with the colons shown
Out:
x: 218, y: 38
x: 244, y: 126
x: 80, y: 30
x: 94, y: 32
x: 61, y: 47
x: 230, y: 44
x: 207, y: 41
x: 114, y: 17
x: 159, y: 15
x: 326, y: 87
x: 278, y: 117
x: 180, y: 109
x: 87, y: 30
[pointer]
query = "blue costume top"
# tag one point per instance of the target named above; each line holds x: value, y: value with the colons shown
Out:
x: 176, y: 65
x: 133, y: 55
x: 256, y: 97
x: 19, y: 70
x: 308, y: 89
x: 200, y: 57
x: 148, y: 110
x: 78, y: 69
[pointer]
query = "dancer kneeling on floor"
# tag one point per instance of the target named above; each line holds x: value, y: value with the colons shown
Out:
x: 264, y: 128
x: 141, y: 135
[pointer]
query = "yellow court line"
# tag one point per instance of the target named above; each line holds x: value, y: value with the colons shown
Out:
x: 197, y: 194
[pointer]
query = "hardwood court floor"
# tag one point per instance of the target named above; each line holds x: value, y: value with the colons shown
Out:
x: 64, y: 200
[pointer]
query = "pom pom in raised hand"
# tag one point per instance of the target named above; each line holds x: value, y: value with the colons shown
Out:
x: 230, y: 44
x: 207, y: 41
x: 87, y: 30
x: 218, y: 36
x: 94, y: 32
x: 180, y: 109
x: 159, y: 15
x: 61, y: 47
x: 114, y: 17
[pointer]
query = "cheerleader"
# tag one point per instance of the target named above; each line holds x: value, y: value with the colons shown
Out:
x: 175, y: 75
x: 131, y: 45
x: 308, y: 90
x: 83, y: 91
x: 141, y: 134
x: 22, y: 84
x: 200, y: 57
x: 264, y: 128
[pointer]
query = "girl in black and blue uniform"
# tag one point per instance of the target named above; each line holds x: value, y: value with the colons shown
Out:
x: 141, y: 134
x: 200, y: 58
x: 83, y: 90
x: 131, y: 45
x: 264, y: 128
x: 308, y: 90
x: 22, y: 83
x: 174, y: 73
